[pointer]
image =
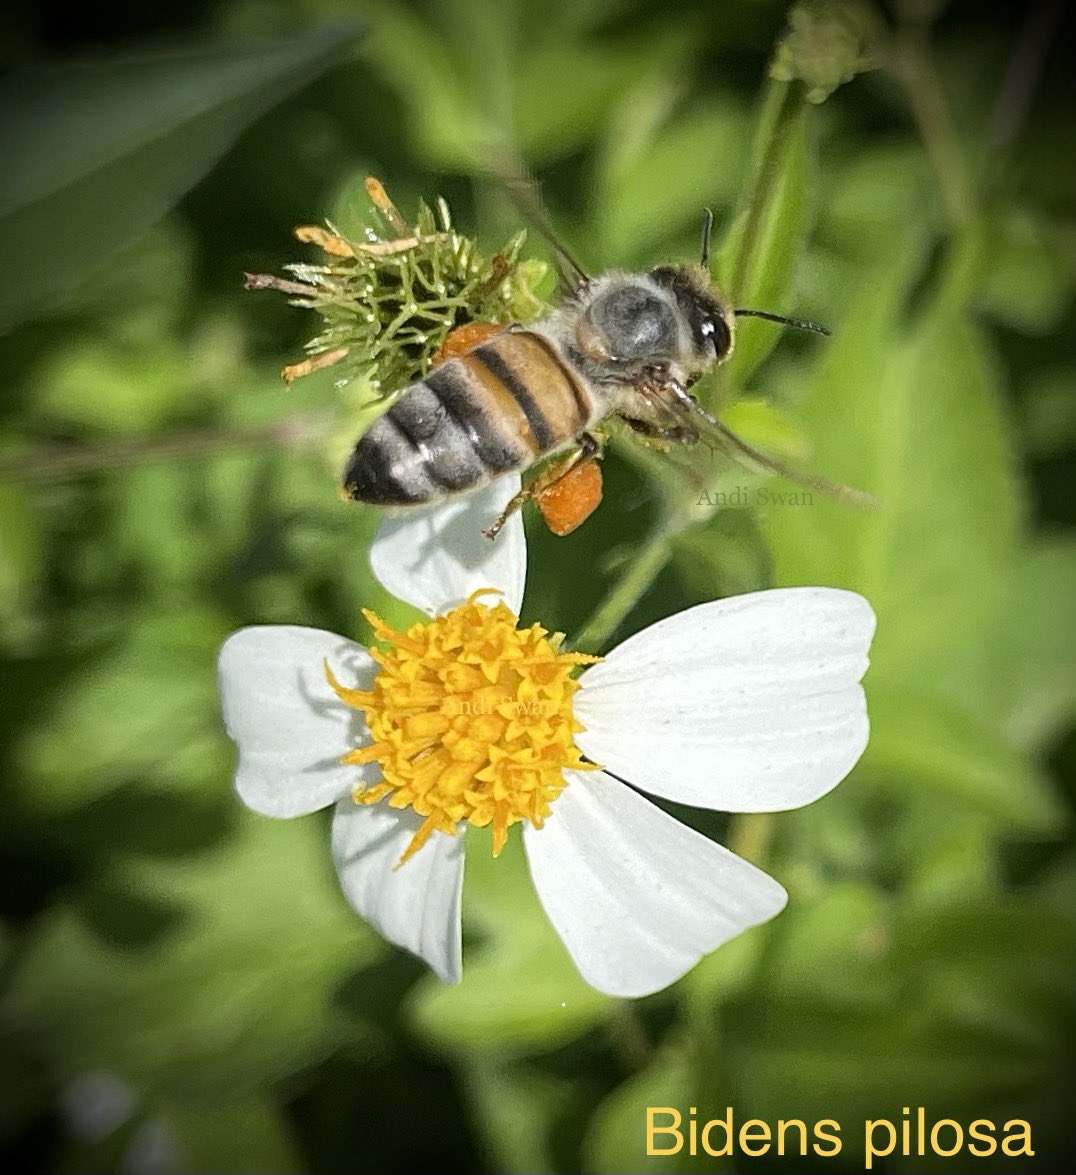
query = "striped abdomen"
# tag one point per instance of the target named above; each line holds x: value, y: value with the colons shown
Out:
x: 495, y: 410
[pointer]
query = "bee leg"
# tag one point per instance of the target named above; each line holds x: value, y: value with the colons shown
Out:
x: 660, y: 436
x: 587, y: 447
x: 669, y: 440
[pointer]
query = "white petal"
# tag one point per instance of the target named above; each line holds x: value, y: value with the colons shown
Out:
x: 638, y: 897
x: 750, y: 704
x: 435, y: 556
x: 289, y: 726
x: 417, y: 906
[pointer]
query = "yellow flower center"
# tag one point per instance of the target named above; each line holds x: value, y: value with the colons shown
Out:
x: 470, y: 719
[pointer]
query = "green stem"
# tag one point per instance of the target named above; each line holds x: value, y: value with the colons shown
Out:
x: 47, y: 463
x: 645, y: 568
x: 961, y: 269
x: 912, y: 64
x: 1023, y: 74
x: 751, y: 835
x: 630, y: 1038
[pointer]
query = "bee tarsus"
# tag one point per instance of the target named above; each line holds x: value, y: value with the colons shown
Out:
x: 557, y: 470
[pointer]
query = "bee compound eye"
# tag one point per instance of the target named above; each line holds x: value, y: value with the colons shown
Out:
x: 715, y: 333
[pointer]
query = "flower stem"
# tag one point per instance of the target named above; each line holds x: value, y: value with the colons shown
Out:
x: 630, y: 1038
x: 1023, y: 74
x: 645, y: 568
x: 751, y: 836
x: 48, y: 463
x: 911, y: 62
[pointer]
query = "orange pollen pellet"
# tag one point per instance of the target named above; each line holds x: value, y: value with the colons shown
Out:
x: 465, y: 338
x: 571, y: 499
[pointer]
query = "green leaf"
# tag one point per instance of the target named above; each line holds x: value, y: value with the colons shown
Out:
x: 1035, y: 649
x: 140, y: 707
x: 248, y: 1134
x: 654, y: 180
x: 725, y: 972
x: 725, y: 557
x: 484, y: 80
x: 238, y: 994
x: 941, y: 852
x: 1022, y: 680
x: 1028, y: 284
x: 565, y: 91
x: 1011, y: 957
x: 616, y: 1138
x: 136, y: 366
x: 871, y: 191
x: 983, y: 990
x: 767, y: 427
x: 96, y: 153
x: 444, y: 125
x: 517, y: 1107
x: 100, y: 387
x: 823, y: 948
x: 757, y: 260
x: 138, y: 300
x: 22, y: 551
x: 913, y: 416
x: 852, y: 1064
x: 923, y: 744
x: 160, y: 530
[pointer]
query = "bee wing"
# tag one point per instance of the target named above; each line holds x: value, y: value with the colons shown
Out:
x: 510, y: 172
x: 710, y: 430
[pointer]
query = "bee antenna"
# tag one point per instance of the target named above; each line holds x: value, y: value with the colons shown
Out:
x: 798, y: 323
x: 707, y: 229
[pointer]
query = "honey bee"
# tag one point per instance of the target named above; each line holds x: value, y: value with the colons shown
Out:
x: 625, y: 346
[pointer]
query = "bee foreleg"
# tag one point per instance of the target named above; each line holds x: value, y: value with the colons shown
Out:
x: 587, y: 446
x: 661, y: 436
x: 669, y: 440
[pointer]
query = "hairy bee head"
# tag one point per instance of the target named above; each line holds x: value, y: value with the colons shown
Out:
x: 707, y: 318
x: 672, y: 314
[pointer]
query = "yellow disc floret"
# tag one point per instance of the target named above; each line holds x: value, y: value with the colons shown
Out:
x: 470, y: 719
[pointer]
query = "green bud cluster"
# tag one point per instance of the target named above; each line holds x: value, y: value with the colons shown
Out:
x: 389, y: 301
x: 827, y: 44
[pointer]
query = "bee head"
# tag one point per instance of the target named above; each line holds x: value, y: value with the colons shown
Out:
x: 708, y: 320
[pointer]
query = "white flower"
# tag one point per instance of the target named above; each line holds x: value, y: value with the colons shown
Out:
x: 750, y: 704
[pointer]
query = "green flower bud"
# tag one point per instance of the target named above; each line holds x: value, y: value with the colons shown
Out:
x: 389, y: 301
x: 827, y: 44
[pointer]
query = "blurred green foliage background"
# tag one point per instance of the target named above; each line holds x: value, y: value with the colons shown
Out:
x: 183, y: 986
